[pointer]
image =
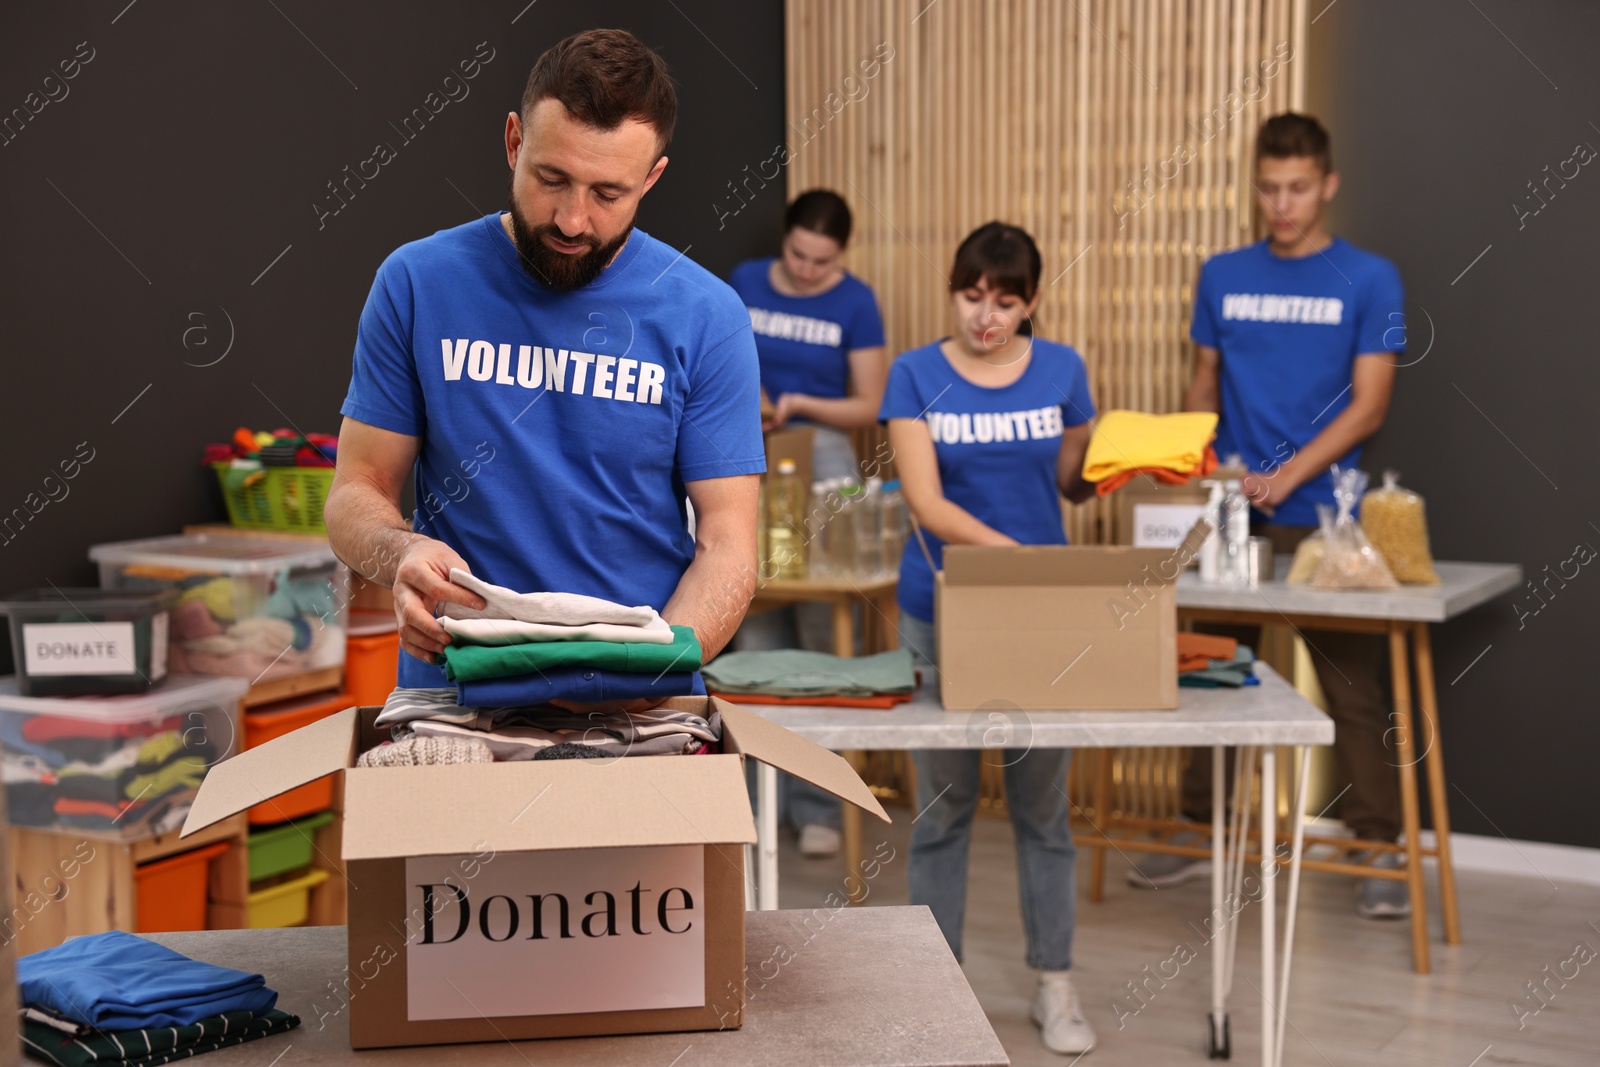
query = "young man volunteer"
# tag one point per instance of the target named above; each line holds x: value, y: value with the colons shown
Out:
x: 556, y: 382
x: 1296, y: 339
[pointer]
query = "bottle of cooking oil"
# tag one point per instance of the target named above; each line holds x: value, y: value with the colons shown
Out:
x: 786, y: 510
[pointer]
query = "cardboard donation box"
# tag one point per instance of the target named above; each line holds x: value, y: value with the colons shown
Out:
x: 1059, y: 627
x: 542, y: 898
x: 1152, y: 514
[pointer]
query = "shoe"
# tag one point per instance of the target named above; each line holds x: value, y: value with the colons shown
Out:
x: 1059, y: 1016
x: 819, y: 840
x: 1162, y: 870
x: 1384, y: 898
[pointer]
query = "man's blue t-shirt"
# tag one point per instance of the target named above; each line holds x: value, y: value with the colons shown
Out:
x: 1289, y: 332
x: 997, y: 448
x: 805, y: 341
x: 557, y: 429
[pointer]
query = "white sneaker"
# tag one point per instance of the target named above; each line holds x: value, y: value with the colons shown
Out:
x: 1384, y: 898
x: 1164, y: 869
x: 1059, y: 1016
x: 819, y: 840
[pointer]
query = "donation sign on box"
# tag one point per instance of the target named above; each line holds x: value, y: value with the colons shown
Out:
x: 551, y: 933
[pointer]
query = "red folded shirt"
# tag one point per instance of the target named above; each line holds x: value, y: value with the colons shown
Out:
x: 1196, y: 651
x: 1164, y: 475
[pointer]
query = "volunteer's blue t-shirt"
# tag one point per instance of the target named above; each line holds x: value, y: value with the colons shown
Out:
x: 557, y: 429
x: 997, y: 448
x: 805, y: 341
x: 1289, y: 332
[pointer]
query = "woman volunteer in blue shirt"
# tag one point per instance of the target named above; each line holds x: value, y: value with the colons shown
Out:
x: 818, y: 331
x: 819, y: 337
x: 989, y: 428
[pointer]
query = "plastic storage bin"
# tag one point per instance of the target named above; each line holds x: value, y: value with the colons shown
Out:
x: 120, y: 767
x: 279, y: 849
x: 372, y: 657
x: 274, y: 720
x: 253, y: 607
x: 70, y: 642
x: 286, y: 903
x: 171, y: 892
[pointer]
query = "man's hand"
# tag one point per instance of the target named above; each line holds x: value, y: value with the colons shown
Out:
x: 421, y: 583
x: 1266, y: 491
x: 788, y: 406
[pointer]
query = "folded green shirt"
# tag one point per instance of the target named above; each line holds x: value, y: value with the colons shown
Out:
x: 473, y: 663
x: 793, y: 672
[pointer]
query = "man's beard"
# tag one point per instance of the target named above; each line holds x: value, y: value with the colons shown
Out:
x: 561, y: 270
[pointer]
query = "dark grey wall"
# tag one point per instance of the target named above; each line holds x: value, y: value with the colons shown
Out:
x: 1440, y: 120
x: 162, y: 210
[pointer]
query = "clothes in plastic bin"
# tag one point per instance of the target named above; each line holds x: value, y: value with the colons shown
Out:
x: 372, y: 657
x: 77, y: 642
x: 274, y: 720
x: 171, y: 892
x: 260, y: 608
x: 117, y: 767
x: 284, y: 903
x: 277, y: 849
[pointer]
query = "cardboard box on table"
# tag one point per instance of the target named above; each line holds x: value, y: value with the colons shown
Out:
x: 1060, y: 627
x: 1152, y: 514
x: 542, y: 898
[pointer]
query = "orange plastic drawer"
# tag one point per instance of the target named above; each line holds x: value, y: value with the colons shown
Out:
x: 171, y: 892
x: 371, y: 664
x: 274, y: 720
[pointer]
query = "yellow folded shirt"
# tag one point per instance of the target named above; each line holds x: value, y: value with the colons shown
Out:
x: 1132, y: 440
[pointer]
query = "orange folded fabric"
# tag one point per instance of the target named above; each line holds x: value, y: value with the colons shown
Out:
x: 888, y: 701
x: 1196, y: 651
x: 1164, y: 475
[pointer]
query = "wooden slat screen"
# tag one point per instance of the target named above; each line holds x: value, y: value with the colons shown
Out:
x: 1065, y: 117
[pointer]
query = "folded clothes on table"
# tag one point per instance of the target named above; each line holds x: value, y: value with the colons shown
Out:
x: 477, y: 662
x: 1126, y: 441
x: 1196, y: 651
x: 148, y: 1046
x: 1224, y: 673
x: 117, y: 981
x: 797, y: 673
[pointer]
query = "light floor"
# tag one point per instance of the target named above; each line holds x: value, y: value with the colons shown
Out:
x: 1353, y: 999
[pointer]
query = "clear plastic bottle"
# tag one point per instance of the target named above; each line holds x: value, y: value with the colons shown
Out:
x: 869, y: 532
x: 894, y: 527
x: 842, y: 544
x: 786, y: 522
x: 819, y: 550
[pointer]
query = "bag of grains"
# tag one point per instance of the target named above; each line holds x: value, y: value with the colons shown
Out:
x: 1348, y: 559
x: 1398, y: 528
x: 1307, y: 558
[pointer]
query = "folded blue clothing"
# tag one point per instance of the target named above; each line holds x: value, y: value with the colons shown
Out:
x: 581, y: 684
x: 117, y: 981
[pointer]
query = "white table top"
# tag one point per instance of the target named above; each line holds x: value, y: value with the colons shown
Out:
x: 1462, y: 586
x: 1270, y: 713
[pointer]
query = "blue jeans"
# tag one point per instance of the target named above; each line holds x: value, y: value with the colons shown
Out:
x: 941, y: 835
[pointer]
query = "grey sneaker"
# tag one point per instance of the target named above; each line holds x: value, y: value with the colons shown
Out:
x: 1384, y: 898
x: 1059, y: 1016
x: 1161, y: 870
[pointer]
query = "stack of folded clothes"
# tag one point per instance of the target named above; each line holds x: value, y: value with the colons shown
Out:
x: 530, y: 648
x: 1172, y: 449
x: 1206, y: 661
x: 119, y: 999
x: 792, y: 676
x: 90, y: 775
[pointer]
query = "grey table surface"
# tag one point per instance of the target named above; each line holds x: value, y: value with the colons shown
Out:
x: 871, y: 986
x: 1272, y: 713
x: 1462, y: 586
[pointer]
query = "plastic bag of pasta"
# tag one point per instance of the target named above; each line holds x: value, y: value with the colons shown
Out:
x: 1348, y: 559
x: 1397, y: 526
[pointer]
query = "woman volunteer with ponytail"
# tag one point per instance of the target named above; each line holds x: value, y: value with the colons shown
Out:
x: 989, y: 428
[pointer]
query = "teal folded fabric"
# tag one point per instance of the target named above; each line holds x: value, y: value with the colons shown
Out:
x: 474, y: 663
x: 152, y: 1045
x: 792, y: 672
x: 1223, y: 673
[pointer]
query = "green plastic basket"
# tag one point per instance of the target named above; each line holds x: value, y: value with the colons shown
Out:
x: 288, y: 498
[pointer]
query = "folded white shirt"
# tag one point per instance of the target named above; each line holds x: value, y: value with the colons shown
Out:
x: 560, y: 609
x: 512, y: 632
